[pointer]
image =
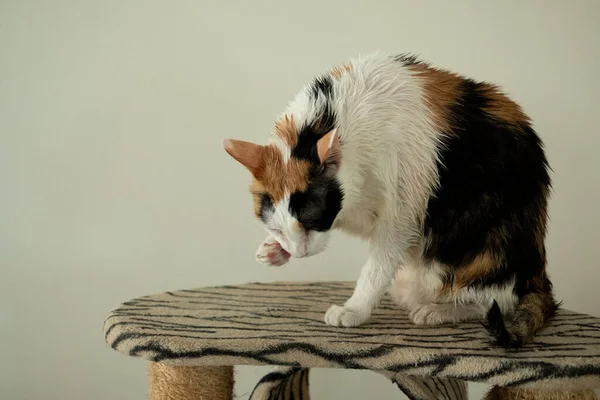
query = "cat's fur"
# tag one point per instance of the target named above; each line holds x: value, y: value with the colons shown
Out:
x: 443, y: 175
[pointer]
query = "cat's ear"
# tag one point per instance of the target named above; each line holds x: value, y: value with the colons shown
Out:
x: 246, y: 153
x: 328, y: 148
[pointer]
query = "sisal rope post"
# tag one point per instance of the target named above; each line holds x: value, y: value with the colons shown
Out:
x: 504, y: 393
x: 171, y: 382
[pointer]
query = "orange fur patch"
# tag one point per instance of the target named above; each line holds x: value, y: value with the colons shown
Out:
x: 276, y: 177
x: 501, y: 107
x: 257, y: 189
x: 285, y: 129
x: 441, y: 90
x: 465, y: 275
x: 337, y: 71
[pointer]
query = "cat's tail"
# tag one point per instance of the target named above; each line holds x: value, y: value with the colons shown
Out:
x: 531, y: 314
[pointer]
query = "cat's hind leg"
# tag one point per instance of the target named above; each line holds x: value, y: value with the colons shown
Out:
x: 442, y: 313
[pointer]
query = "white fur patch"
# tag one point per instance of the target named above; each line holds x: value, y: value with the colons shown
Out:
x: 416, y: 288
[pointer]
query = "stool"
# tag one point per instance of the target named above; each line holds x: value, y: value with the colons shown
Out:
x: 194, y: 338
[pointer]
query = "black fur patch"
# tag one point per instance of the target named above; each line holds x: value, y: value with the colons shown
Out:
x: 496, y: 327
x: 309, y: 135
x: 319, y: 205
x: 321, y: 86
x: 407, y: 59
x: 266, y: 206
x: 493, y: 185
x: 325, y: 121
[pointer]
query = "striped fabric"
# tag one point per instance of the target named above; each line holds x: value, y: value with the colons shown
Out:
x: 283, y: 384
x: 288, y: 383
x: 282, y: 324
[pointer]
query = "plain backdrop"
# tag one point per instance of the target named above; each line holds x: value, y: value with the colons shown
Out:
x: 113, y: 182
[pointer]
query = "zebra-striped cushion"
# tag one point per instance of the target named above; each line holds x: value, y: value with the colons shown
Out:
x: 282, y: 324
x: 288, y: 383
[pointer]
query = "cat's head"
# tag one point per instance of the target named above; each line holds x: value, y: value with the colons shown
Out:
x: 296, y: 193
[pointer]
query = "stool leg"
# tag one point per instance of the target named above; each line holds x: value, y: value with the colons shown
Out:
x: 170, y: 382
x: 503, y: 393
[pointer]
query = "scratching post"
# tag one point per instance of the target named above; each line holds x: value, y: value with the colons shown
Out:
x: 193, y: 338
x: 500, y: 393
x: 172, y: 382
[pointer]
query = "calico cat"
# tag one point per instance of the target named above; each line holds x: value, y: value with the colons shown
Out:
x: 444, y: 176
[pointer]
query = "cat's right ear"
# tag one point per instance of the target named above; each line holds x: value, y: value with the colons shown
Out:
x: 246, y: 153
x: 328, y: 148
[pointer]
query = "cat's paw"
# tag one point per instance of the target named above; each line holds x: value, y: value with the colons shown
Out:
x: 426, y: 315
x: 342, y: 316
x: 271, y: 254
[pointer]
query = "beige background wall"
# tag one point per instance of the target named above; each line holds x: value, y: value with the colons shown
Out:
x: 113, y: 183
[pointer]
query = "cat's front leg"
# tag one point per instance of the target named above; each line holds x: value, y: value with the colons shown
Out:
x: 375, y: 278
x: 271, y: 254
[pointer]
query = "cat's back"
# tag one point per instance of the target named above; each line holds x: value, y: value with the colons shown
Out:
x: 397, y: 107
x: 450, y: 98
x: 473, y: 125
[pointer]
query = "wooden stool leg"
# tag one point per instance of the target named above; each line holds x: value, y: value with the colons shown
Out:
x: 169, y: 382
x: 502, y: 393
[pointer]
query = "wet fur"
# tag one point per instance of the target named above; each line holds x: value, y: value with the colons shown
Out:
x: 444, y: 176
